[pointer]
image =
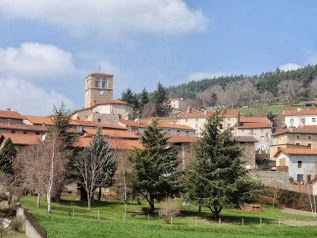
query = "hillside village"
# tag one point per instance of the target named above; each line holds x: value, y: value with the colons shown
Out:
x: 284, y: 158
x: 291, y: 150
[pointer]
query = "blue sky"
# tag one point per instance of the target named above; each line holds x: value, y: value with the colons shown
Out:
x: 48, y: 47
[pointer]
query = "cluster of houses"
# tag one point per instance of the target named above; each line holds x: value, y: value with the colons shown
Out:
x: 291, y: 150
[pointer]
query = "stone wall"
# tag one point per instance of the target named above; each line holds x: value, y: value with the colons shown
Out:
x: 32, y: 228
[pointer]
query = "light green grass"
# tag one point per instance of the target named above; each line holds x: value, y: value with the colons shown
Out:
x: 60, y: 223
x: 258, y: 111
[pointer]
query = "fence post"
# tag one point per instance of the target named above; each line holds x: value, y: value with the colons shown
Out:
x: 196, y: 221
x: 260, y: 222
x: 219, y: 222
x: 242, y: 221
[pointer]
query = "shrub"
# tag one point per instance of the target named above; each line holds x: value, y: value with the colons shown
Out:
x: 17, y: 224
x: 7, y: 212
x: 168, y: 210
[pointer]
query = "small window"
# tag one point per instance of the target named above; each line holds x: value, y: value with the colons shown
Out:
x: 309, y: 145
x: 37, y: 133
x: 25, y: 132
x: 12, y: 132
x: 186, y: 120
x: 99, y: 120
x: 196, y: 119
x: 196, y: 126
x: 297, y: 143
x: 291, y: 121
x: 98, y: 82
x: 104, y: 83
x: 313, y: 119
x: 299, y: 164
x: 309, y: 137
x: 228, y: 125
x: 315, y: 164
x: 297, y: 137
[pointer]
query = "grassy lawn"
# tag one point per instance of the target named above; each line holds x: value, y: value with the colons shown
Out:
x: 60, y: 223
x: 12, y: 234
x: 276, y: 109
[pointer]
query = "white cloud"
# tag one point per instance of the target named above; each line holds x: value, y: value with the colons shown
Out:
x: 26, y: 98
x: 109, y: 17
x: 34, y: 61
x: 203, y: 75
x: 289, y: 66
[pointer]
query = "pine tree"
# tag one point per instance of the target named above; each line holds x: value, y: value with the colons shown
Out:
x: 7, y: 154
x: 160, y: 99
x: 213, y: 180
x: 130, y: 97
x: 96, y: 166
x: 144, y: 98
x: 154, y: 167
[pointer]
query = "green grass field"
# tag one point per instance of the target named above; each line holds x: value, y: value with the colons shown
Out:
x: 276, y: 109
x: 62, y: 222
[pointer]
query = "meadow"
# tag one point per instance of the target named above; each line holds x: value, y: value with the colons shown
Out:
x: 105, y: 219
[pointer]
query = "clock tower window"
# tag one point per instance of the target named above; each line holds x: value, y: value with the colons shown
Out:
x: 104, y: 83
x: 98, y: 82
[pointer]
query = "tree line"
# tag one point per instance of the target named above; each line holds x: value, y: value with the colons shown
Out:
x: 273, y: 87
x: 214, y: 179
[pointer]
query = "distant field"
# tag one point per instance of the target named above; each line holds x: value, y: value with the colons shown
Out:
x: 60, y: 223
x: 262, y: 111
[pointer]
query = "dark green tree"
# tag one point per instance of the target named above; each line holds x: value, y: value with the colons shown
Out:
x: 213, y: 180
x: 95, y: 166
x: 160, y: 99
x: 130, y: 97
x: 154, y: 167
x: 7, y: 154
x: 144, y: 98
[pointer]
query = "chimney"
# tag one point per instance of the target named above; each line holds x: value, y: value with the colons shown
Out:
x: 8, y: 109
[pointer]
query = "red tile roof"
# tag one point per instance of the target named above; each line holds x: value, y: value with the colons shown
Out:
x: 10, y: 114
x: 113, y: 133
x: 296, y: 151
x: 161, y: 119
x: 22, y: 139
x: 133, y: 123
x: 161, y: 124
x: 37, y: 120
x: 299, y: 130
x: 253, y: 119
x: 99, y: 74
x: 96, y: 124
x: 120, y: 144
x: 23, y: 127
x: 255, y: 125
x: 300, y: 112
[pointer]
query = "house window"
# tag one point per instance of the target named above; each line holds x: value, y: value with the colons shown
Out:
x: 262, y: 138
x: 309, y: 137
x: 25, y: 132
x: 104, y: 83
x: 297, y: 143
x: 186, y: 120
x: 297, y: 137
x: 221, y: 126
x: 309, y: 145
x: 12, y: 132
x: 313, y: 119
x: 196, y: 119
x: 37, y: 133
x: 228, y: 125
x: 299, y: 164
x: 196, y: 126
x: 291, y: 121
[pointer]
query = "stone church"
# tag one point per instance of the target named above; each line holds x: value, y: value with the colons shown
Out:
x: 99, y: 103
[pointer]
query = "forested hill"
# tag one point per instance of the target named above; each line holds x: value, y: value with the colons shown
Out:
x: 265, y: 82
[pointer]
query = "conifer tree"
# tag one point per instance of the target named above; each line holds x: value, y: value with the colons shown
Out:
x: 160, y: 99
x: 144, y: 98
x: 154, y: 167
x: 213, y: 180
x: 96, y: 166
x: 7, y: 155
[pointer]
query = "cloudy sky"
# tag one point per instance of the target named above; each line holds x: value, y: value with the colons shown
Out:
x: 48, y: 47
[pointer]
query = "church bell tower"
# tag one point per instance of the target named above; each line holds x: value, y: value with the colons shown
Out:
x: 99, y: 88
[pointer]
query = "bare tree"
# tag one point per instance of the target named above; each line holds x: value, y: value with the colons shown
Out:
x: 231, y: 95
x: 313, y: 88
x: 43, y: 167
x: 289, y: 89
x: 266, y: 97
x: 95, y: 166
x: 249, y: 93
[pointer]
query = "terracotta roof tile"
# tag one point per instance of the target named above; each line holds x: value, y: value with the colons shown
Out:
x: 37, y: 120
x: 22, y: 139
x: 253, y: 119
x: 120, y: 144
x: 23, y: 127
x: 299, y: 130
x: 113, y: 133
x: 296, y: 151
x: 201, y: 114
x: 96, y: 124
x: 300, y: 112
x: 10, y: 114
x: 255, y: 125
